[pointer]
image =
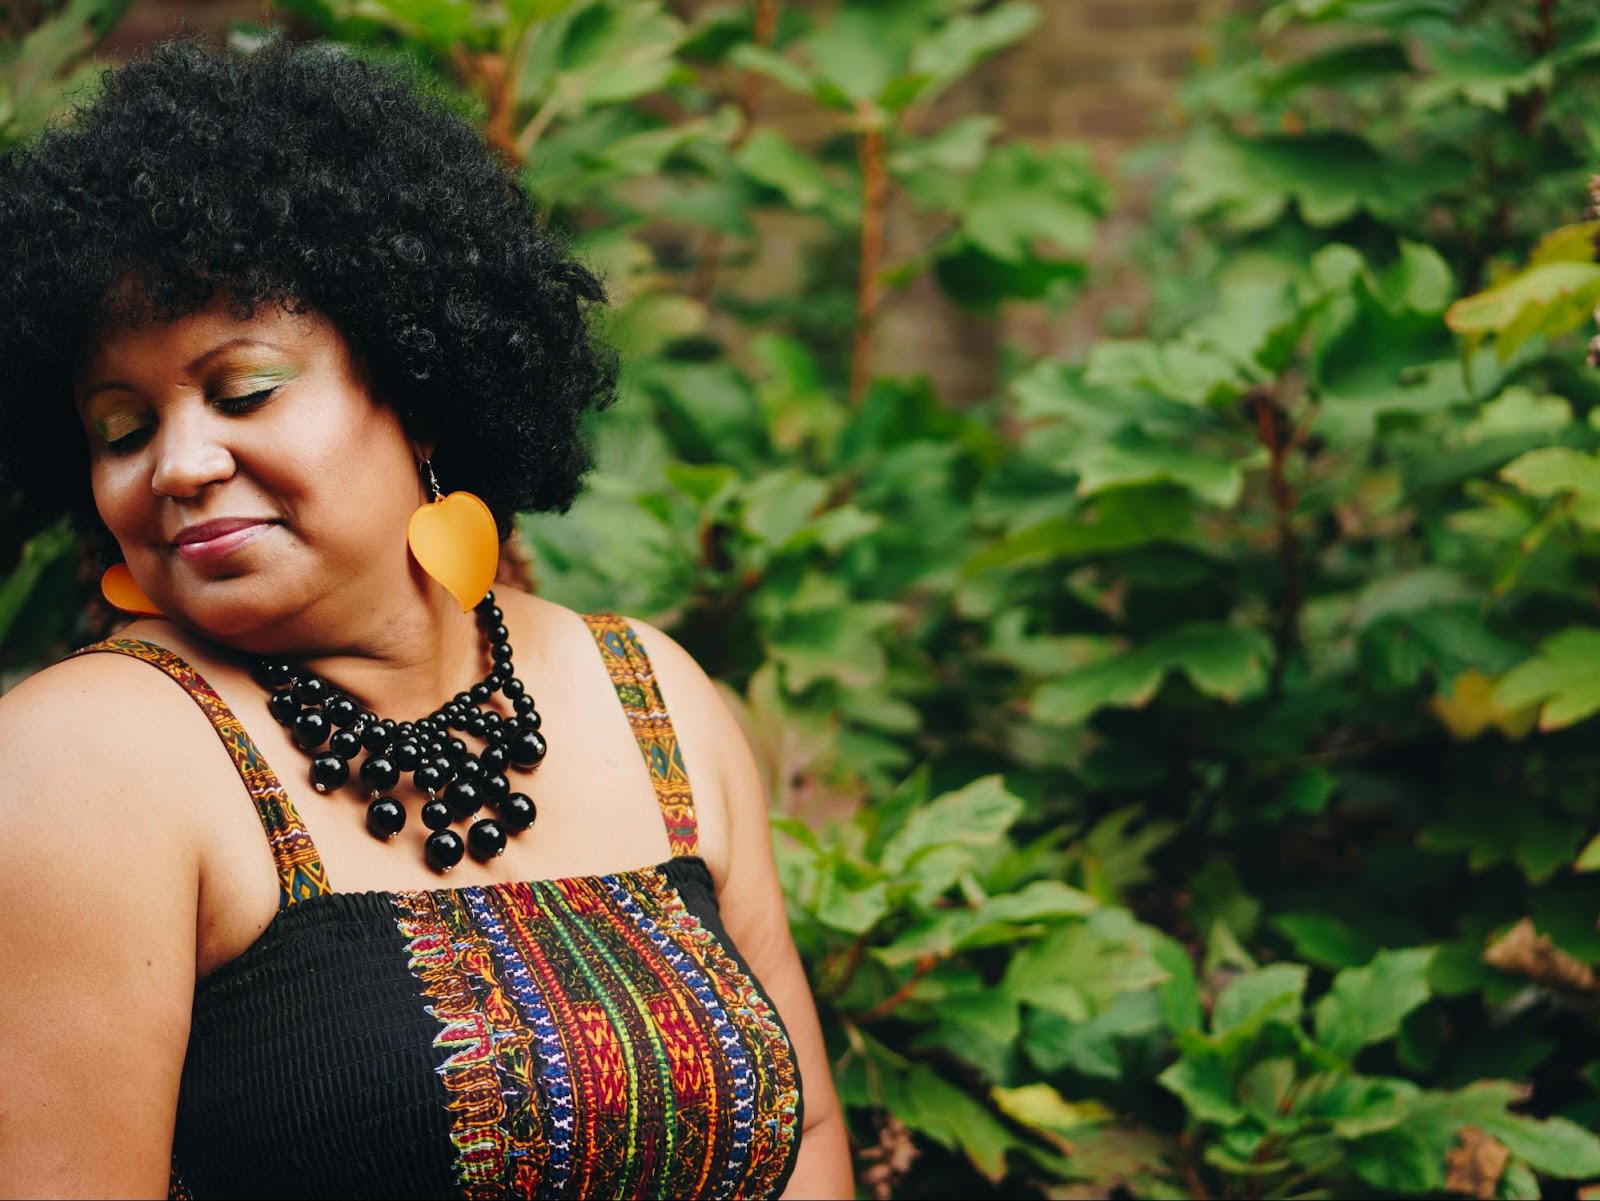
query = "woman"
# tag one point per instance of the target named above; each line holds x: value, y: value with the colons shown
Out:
x: 255, y: 311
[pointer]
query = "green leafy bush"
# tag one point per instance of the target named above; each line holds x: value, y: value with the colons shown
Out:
x: 1182, y: 758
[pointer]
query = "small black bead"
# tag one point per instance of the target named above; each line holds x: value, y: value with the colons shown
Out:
x: 310, y: 729
x: 501, y: 655
x: 459, y: 721
x: 494, y: 759
x: 495, y: 680
x: 379, y: 773
x: 329, y: 772
x: 477, y: 727
x: 527, y: 748
x: 344, y: 743
x: 518, y: 811
x: 455, y: 749
x: 497, y: 634
x: 445, y: 766
x: 436, y: 747
x: 481, y: 693
x: 375, y: 738
x: 492, y: 719
x: 443, y: 850
x: 342, y: 711
x: 530, y: 720
x: 427, y: 778
x: 489, y: 612
x: 461, y: 700
x: 273, y: 673
x: 405, y: 729
x: 464, y: 797
x: 486, y: 839
x: 386, y: 817
x: 513, y: 688
x: 407, y: 756
x: 469, y: 767
x: 522, y: 704
x: 436, y: 815
x: 310, y: 690
x: 496, y: 788
x: 283, y: 707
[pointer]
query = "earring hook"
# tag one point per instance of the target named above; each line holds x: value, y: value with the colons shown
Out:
x: 434, y: 491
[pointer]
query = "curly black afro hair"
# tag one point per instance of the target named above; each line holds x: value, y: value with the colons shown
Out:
x: 304, y: 177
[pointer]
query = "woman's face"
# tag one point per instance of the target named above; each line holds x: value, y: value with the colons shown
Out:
x: 256, y: 487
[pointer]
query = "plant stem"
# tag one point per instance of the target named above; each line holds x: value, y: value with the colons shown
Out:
x: 869, y: 290
x: 749, y: 100
x: 900, y: 995
x: 1270, y: 432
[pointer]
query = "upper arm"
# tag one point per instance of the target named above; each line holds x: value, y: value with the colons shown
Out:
x: 731, y: 804
x: 97, y: 932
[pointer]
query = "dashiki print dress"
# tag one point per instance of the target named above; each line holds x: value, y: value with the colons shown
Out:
x: 588, y: 1037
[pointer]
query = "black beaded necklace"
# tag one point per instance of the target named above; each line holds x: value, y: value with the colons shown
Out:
x: 458, y: 783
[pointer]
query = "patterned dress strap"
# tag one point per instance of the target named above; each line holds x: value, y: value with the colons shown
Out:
x: 636, y: 687
x: 300, y: 871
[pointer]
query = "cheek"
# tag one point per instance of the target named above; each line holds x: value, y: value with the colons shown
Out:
x: 121, y: 501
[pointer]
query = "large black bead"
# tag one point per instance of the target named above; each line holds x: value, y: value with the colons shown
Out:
x: 283, y: 707
x: 342, y: 711
x: 518, y: 811
x: 274, y: 674
x: 455, y: 749
x: 329, y: 772
x: 427, y: 778
x: 494, y: 759
x: 496, y: 788
x: 386, y: 817
x: 464, y: 797
x: 407, y: 755
x: 526, y: 748
x: 310, y: 730
x: 486, y: 839
x: 436, y: 815
x: 513, y: 688
x: 311, y: 689
x: 469, y: 767
x: 344, y: 743
x: 379, y: 773
x: 445, y: 767
x: 375, y: 737
x: 443, y: 850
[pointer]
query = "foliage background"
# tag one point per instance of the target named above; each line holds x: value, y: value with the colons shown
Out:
x: 1183, y: 755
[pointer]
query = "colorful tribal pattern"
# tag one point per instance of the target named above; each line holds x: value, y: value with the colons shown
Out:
x: 595, y: 1040
x: 300, y: 870
x: 647, y: 714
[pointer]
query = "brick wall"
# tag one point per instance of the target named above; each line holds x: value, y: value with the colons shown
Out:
x: 1100, y: 71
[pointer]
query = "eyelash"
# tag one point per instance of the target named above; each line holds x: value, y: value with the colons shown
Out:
x: 233, y: 406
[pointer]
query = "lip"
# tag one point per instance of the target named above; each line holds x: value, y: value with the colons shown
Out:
x: 223, y: 536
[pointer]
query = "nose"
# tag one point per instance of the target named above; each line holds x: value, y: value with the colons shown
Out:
x: 190, y: 453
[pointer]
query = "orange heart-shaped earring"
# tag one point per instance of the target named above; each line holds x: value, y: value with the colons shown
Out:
x: 120, y: 589
x: 455, y: 540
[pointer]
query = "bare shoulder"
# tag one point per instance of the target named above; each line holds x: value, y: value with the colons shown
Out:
x: 727, y: 784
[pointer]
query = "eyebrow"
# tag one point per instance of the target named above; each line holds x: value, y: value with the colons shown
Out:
x: 197, y: 364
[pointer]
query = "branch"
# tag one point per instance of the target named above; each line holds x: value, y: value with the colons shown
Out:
x: 869, y: 289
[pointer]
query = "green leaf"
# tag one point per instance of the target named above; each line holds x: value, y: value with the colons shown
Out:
x: 1560, y: 471
x: 1221, y: 661
x: 937, y: 1108
x: 1366, y: 1004
x: 1021, y: 196
x: 1133, y: 458
x: 1589, y: 858
x: 1325, y: 940
x: 1178, y: 370
x: 1549, y: 300
x: 977, y: 814
x: 1563, y: 678
x: 769, y: 159
x: 955, y: 47
x: 1271, y: 993
x: 1203, y: 1081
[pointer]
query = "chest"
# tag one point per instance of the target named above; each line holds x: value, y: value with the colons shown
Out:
x: 592, y: 1036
